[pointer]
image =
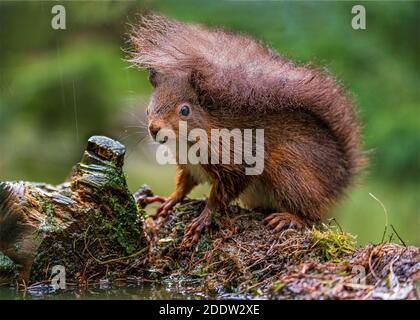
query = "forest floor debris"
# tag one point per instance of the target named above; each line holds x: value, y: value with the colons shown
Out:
x: 239, y: 257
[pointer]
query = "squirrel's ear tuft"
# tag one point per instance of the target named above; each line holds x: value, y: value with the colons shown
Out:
x: 154, y: 77
x: 204, y: 97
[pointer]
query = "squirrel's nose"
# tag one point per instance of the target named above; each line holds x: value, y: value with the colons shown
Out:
x: 153, y: 131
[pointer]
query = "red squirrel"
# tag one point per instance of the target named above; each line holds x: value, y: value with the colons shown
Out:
x: 212, y: 78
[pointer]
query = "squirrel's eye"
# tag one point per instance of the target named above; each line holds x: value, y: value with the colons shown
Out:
x: 184, y: 111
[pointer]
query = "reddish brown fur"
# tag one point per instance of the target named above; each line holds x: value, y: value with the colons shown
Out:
x: 232, y: 81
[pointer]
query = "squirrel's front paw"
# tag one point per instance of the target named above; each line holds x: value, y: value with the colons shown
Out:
x: 165, y: 207
x: 166, y: 204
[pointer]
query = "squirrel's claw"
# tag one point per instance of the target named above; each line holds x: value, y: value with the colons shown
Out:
x: 149, y: 200
x: 282, y: 221
x: 193, y: 230
x: 165, y: 207
x: 145, y: 199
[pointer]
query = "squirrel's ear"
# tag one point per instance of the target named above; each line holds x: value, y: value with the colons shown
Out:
x: 204, y: 97
x: 154, y: 77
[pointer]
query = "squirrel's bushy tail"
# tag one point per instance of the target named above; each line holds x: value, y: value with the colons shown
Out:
x: 240, y: 73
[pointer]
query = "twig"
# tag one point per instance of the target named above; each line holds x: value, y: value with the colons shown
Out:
x: 395, y: 231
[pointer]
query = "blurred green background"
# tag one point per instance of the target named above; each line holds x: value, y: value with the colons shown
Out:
x: 57, y: 88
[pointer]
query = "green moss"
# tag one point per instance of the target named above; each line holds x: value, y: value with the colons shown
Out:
x: 125, y: 227
x: 49, y: 224
x: 331, y: 243
x: 6, y: 264
x: 198, y: 271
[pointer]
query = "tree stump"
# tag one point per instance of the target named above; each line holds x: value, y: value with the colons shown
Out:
x: 90, y: 224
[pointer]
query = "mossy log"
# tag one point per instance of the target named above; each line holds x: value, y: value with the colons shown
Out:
x: 96, y: 229
x: 90, y: 224
x: 239, y: 257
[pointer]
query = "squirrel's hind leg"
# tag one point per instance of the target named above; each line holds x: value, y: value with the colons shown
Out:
x: 282, y: 220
